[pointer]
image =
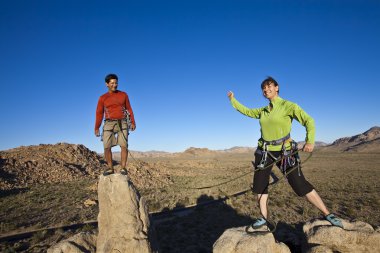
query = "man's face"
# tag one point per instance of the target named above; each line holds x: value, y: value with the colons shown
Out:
x: 112, y: 85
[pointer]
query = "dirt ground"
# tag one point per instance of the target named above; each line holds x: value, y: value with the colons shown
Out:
x: 348, y: 183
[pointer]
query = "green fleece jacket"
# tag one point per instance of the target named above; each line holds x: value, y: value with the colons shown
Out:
x: 277, y: 123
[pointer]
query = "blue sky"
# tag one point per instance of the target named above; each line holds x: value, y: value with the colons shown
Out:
x: 177, y: 60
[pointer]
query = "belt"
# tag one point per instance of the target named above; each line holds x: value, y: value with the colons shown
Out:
x: 275, y: 142
x: 114, y: 119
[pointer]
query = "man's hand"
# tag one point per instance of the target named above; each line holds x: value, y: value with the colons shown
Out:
x: 308, y: 147
x: 97, y: 134
x: 230, y: 95
x: 133, y: 127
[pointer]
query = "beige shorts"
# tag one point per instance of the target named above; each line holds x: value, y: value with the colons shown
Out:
x: 112, y: 134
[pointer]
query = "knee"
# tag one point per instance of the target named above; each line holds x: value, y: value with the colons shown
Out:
x: 262, y: 197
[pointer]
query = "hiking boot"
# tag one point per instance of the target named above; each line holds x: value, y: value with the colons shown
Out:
x: 334, y: 220
x: 259, y: 223
x: 123, y: 171
x: 108, y: 172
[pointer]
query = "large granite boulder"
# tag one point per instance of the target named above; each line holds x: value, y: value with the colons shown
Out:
x: 355, y: 237
x: 123, y: 220
x: 80, y: 243
x: 236, y: 240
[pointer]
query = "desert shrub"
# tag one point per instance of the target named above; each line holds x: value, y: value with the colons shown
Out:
x: 40, y: 236
x: 183, y: 202
x: 8, y: 249
x: 87, y: 228
x: 153, y: 205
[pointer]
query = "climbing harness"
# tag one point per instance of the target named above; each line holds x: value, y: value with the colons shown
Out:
x: 264, y: 157
x: 127, y: 119
x: 289, y: 158
x: 120, y: 125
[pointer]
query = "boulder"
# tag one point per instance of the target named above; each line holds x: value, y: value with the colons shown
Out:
x: 355, y: 237
x: 123, y: 220
x: 320, y: 249
x: 236, y: 240
x: 80, y: 243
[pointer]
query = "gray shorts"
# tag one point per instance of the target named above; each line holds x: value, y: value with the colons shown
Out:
x: 114, y: 135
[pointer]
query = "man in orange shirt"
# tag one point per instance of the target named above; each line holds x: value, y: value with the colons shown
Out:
x: 119, y: 119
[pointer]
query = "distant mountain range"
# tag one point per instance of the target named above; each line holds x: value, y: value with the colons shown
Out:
x: 62, y: 162
x: 369, y: 141
x: 192, y: 151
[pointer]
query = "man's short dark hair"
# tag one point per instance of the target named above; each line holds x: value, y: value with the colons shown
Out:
x: 268, y: 81
x: 111, y: 76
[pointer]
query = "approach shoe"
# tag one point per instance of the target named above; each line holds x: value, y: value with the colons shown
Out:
x: 334, y: 220
x: 259, y: 223
x: 108, y: 172
x: 123, y: 171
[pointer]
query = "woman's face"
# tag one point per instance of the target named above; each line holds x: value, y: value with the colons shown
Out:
x: 270, y: 91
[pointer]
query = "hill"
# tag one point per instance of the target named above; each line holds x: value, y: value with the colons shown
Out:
x: 25, y: 165
x: 47, y: 163
x: 368, y: 141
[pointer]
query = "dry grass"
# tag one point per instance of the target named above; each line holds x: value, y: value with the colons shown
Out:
x: 348, y: 183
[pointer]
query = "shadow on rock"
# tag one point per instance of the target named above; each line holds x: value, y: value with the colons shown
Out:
x: 198, y: 230
x: 291, y: 235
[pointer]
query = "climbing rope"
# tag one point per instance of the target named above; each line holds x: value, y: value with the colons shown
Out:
x: 271, y: 225
x: 241, y: 176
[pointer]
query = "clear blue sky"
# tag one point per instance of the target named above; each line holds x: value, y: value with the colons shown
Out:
x: 177, y: 60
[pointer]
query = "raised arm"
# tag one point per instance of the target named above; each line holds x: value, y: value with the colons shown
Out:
x: 253, y: 113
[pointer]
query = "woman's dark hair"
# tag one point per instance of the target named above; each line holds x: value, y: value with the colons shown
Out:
x: 111, y: 76
x: 268, y: 81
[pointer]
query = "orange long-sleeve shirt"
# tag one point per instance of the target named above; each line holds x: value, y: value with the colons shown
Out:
x: 113, y: 105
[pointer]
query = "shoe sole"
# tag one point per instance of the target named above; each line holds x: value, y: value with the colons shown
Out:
x: 107, y: 173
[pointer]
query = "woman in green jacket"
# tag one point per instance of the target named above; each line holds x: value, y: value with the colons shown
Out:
x: 275, y: 122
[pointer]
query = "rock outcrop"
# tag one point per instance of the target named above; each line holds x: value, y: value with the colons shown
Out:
x: 25, y: 166
x: 45, y: 163
x: 80, y: 243
x: 355, y: 237
x: 123, y: 220
x: 319, y: 237
x: 365, y: 142
x: 371, y: 134
x: 236, y: 240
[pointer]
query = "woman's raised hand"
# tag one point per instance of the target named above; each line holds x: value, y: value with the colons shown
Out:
x: 230, y: 95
